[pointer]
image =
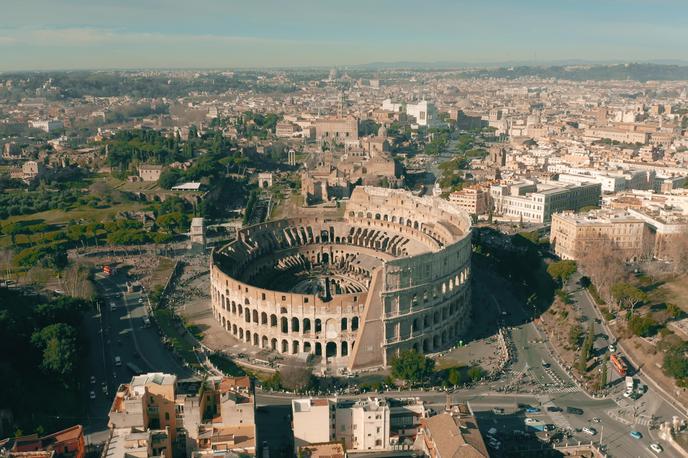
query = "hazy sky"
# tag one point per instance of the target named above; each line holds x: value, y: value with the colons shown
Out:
x: 63, y: 34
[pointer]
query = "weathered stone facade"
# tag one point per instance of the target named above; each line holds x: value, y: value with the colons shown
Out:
x: 392, y: 274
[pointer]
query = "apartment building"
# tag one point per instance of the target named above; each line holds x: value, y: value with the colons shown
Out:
x: 423, y: 112
x: 336, y: 130
x: 574, y: 234
x: 47, y: 125
x: 611, y: 180
x: 618, y: 135
x: 68, y: 443
x: 536, y: 202
x: 669, y: 228
x: 157, y: 415
x: 360, y: 425
x: 363, y: 424
x: 474, y: 200
x: 286, y: 129
x: 452, y: 434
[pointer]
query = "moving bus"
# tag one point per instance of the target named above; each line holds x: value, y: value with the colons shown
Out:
x: 619, y: 364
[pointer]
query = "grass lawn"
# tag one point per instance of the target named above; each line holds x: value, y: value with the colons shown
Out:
x: 82, y: 212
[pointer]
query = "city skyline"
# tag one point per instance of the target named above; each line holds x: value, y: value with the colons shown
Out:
x: 43, y: 35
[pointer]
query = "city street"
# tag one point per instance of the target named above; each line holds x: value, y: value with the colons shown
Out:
x: 117, y: 329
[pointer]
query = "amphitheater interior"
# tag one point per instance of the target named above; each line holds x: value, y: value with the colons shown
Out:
x: 391, y: 274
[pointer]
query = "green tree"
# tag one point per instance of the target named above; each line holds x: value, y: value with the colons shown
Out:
x: 455, y: 377
x: 60, y: 348
x: 412, y: 366
x: 575, y: 334
x: 676, y: 361
x: 562, y: 270
x: 674, y: 311
x: 475, y: 373
x: 169, y: 177
x: 628, y: 296
x: 604, y: 376
x: 367, y: 127
x: 174, y: 222
x: 643, y: 326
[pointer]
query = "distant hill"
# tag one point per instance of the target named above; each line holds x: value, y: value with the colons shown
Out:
x: 569, y: 70
x: 635, y: 72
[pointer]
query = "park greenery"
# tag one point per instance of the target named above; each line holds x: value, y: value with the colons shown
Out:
x: 628, y: 296
x: 36, y: 242
x: 675, y: 363
x: 412, y: 366
x: 561, y: 271
x: 41, y: 352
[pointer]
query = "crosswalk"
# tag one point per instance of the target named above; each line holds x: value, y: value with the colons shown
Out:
x: 561, y: 389
x: 643, y: 420
x: 557, y: 417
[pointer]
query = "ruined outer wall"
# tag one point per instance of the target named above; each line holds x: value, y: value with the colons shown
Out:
x: 423, y: 301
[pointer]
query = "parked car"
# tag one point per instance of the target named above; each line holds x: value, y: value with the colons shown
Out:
x: 554, y: 409
x: 498, y: 411
x: 590, y: 431
x: 532, y: 410
x: 635, y: 435
x: 574, y: 410
x: 530, y: 421
x: 656, y: 448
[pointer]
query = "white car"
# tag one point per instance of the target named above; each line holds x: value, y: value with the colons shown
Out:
x: 656, y: 448
x: 113, y: 306
x: 529, y: 421
x: 627, y: 393
x: 93, y: 379
x: 118, y: 361
x: 589, y: 431
x: 92, y: 395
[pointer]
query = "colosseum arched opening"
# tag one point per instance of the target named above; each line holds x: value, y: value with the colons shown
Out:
x: 393, y: 273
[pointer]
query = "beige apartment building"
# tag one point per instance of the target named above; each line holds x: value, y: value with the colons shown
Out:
x: 473, y: 200
x: 336, y: 130
x: 618, y: 135
x: 635, y: 232
x: 368, y: 424
x: 574, y: 234
x: 452, y: 434
x: 157, y: 415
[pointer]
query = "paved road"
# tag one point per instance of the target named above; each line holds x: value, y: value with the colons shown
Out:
x: 117, y: 329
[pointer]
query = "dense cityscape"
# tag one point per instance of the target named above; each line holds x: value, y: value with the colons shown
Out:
x: 404, y: 259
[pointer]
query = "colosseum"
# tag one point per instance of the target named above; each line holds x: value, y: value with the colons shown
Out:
x: 390, y: 274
